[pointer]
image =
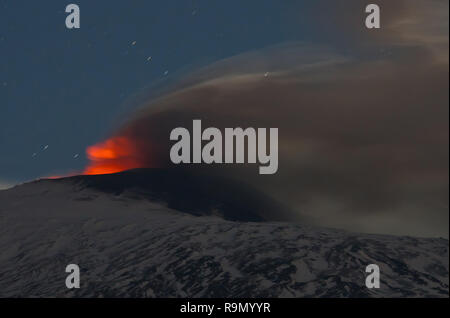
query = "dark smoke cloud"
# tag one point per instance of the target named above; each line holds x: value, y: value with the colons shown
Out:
x: 363, y: 137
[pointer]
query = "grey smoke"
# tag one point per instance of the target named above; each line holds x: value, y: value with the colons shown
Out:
x: 363, y: 135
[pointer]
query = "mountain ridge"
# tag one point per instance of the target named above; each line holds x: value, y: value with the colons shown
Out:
x: 127, y: 246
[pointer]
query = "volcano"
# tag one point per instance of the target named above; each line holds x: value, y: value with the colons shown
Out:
x: 181, y: 233
x: 186, y: 190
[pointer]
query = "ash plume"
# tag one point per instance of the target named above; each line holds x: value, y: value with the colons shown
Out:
x: 363, y: 136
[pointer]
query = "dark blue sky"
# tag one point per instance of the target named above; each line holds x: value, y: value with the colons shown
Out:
x: 66, y: 88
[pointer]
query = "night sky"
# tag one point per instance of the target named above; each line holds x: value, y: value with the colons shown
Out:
x: 68, y: 88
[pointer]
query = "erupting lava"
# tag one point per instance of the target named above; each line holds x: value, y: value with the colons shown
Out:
x: 113, y: 155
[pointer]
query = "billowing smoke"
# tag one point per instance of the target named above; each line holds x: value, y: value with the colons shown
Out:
x: 363, y: 136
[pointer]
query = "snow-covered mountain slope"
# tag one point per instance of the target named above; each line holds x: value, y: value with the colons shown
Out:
x: 132, y: 244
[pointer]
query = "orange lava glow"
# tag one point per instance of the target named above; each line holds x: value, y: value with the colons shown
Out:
x: 113, y: 155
